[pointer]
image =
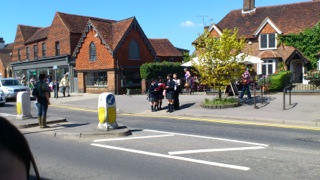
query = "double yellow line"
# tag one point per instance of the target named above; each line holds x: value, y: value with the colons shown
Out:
x: 200, y: 119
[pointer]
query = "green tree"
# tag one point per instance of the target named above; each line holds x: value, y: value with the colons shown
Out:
x: 308, y: 42
x: 218, y: 64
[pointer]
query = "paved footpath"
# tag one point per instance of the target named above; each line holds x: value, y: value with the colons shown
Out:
x: 304, y: 109
x: 303, y: 112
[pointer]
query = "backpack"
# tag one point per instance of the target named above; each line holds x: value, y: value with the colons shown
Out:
x: 36, y: 92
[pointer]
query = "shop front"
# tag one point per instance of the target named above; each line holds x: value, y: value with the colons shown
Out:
x: 54, y: 68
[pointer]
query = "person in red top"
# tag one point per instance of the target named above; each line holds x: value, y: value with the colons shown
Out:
x: 246, y: 83
x: 160, y: 88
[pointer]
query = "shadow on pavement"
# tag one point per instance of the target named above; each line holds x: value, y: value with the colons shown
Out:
x: 188, y: 105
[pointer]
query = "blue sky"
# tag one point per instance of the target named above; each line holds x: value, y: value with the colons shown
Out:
x: 180, y: 21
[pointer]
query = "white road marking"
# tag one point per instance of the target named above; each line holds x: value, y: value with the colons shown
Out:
x: 214, y: 150
x: 207, y: 137
x: 5, y: 114
x: 174, y: 157
x: 130, y: 138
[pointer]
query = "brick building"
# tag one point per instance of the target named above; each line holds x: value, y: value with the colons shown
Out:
x: 262, y: 25
x: 5, y: 58
x: 99, y: 54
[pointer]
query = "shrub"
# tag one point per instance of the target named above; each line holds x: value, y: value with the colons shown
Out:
x: 279, y: 80
x: 153, y: 70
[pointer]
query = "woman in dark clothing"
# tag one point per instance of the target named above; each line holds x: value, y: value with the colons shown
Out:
x: 161, y: 87
x: 153, y: 95
x: 170, y: 92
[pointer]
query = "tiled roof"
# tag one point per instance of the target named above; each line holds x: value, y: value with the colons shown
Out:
x: 289, y: 18
x: 27, y: 31
x: 9, y: 46
x: 39, y: 35
x: 163, y: 47
x: 119, y: 30
x: 76, y: 23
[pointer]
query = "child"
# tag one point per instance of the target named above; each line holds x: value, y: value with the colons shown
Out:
x: 160, y: 96
x: 153, y: 95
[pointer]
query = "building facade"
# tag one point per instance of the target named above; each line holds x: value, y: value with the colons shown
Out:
x: 261, y: 27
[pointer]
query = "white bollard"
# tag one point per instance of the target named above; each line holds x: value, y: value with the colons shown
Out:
x: 107, y: 114
x: 23, y: 105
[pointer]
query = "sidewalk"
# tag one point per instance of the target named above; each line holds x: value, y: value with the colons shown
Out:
x: 303, y: 111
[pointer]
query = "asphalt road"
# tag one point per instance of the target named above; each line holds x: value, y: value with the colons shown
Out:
x: 164, y: 148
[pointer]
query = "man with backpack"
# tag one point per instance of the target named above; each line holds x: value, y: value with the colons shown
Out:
x: 41, y: 93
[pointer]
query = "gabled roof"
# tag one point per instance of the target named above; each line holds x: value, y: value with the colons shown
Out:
x: 40, y: 34
x: 27, y: 31
x: 112, y: 33
x: 265, y: 22
x: 163, y: 47
x: 289, y: 18
x: 76, y: 23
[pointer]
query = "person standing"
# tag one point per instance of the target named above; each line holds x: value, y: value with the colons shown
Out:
x: 153, y: 95
x: 56, y: 88
x: 170, y: 92
x: 161, y: 87
x: 246, y: 83
x: 42, y: 97
x: 177, y: 90
x: 187, y: 77
x: 64, y: 83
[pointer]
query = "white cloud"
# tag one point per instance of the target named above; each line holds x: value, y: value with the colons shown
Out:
x: 188, y: 24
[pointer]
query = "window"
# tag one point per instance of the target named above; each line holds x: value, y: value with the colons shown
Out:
x: 170, y: 59
x: 130, y: 79
x: 35, y: 50
x: 96, y: 79
x: 19, y: 54
x: 57, y: 47
x: 92, y: 53
x: 28, y: 52
x: 268, y: 41
x: 134, y: 50
x: 157, y: 59
x: 268, y: 67
x: 44, y: 50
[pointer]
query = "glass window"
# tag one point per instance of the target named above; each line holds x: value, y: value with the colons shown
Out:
x: 19, y: 54
x: 35, y: 50
x: 44, y: 49
x: 96, y: 79
x: 134, y: 50
x: 130, y: 79
x: 268, y: 67
x: 268, y: 41
x: 28, y: 52
x: 157, y: 59
x: 57, y: 47
x: 93, y: 53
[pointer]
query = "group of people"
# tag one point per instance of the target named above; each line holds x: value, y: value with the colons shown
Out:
x: 170, y: 89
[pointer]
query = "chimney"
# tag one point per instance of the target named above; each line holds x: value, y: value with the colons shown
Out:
x: 248, y: 6
x: 1, y: 43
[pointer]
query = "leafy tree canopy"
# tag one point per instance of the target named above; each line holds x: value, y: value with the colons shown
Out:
x: 218, y: 64
x: 308, y: 42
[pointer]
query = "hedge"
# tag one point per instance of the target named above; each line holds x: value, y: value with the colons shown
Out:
x: 156, y: 69
x: 279, y: 80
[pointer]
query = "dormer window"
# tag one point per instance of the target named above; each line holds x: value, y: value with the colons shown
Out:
x: 268, y: 41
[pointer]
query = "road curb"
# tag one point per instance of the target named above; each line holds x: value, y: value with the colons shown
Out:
x: 121, y: 132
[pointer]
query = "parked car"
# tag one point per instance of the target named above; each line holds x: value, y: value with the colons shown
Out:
x: 10, y: 87
x: 2, y: 98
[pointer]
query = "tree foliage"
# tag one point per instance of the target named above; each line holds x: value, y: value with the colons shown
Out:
x: 218, y: 64
x: 308, y: 42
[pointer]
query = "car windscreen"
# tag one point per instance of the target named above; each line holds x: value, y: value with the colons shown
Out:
x: 10, y: 82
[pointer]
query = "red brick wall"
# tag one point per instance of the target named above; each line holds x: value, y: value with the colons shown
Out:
x: 2, y: 69
x: 58, y: 32
x: 214, y: 33
x: 18, y: 44
x: 104, y: 58
x: 81, y: 82
x: 122, y: 53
